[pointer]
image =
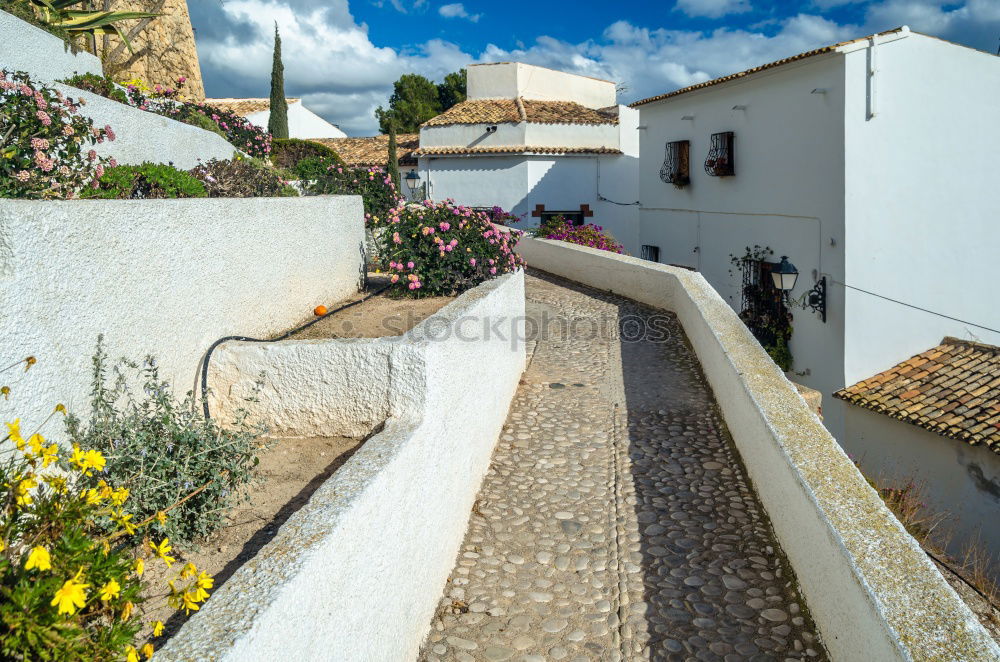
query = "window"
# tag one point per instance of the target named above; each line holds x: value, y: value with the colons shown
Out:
x: 651, y: 253
x: 676, y: 163
x: 720, y: 162
x: 574, y: 217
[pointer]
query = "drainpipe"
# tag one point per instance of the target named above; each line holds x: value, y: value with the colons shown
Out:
x: 872, y: 50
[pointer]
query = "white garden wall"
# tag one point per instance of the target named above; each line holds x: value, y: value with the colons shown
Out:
x: 871, y: 589
x: 357, y: 573
x: 43, y: 55
x: 161, y: 277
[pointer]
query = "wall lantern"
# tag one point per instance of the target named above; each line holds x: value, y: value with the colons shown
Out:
x: 412, y: 180
x: 784, y: 276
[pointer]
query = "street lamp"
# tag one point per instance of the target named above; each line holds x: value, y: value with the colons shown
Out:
x: 412, y: 182
x: 785, y: 275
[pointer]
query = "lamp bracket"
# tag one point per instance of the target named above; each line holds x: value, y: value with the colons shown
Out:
x: 813, y: 299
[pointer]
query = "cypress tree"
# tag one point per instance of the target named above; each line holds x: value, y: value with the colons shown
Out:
x: 393, y: 160
x: 277, y: 123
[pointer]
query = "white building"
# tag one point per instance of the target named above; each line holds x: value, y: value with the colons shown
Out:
x: 540, y: 143
x: 871, y: 164
x: 302, y: 122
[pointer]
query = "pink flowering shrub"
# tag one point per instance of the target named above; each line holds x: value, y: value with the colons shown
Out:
x: 250, y: 139
x: 438, y: 248
x: 45, y: 151
x: 374, y: 185
x: 590, y: 235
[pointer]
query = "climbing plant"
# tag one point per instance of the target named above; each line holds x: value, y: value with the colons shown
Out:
x: 762, y: 307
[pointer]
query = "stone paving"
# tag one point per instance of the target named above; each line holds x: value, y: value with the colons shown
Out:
x: 616, y: 521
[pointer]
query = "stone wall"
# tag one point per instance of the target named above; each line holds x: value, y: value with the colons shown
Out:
x: 163, y: 51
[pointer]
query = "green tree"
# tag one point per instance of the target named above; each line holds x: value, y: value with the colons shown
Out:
x: 452, y: 89
x: 414, y: 100
x: 277, y: 123
x: 393, y: 159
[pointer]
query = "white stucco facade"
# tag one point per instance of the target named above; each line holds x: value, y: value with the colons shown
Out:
x: 882, y: 183
x: 160, y: 277
x: 302, y: 122
x: 574, y: 167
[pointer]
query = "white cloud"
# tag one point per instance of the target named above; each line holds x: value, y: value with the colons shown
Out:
x: 457, y: 10
x: 713, y: 8
x: 830, y: 4
x: 331, y: 61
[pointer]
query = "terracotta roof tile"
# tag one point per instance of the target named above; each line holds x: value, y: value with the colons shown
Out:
x: 374, y: 150
x: 513, y: 149
x: 502, y: 111
x: 949, y: 389
x: 244, y: 106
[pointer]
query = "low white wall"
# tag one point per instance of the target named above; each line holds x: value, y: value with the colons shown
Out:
x: 41, y: 54
x: 141, y: 136
x: 161, y: 277
x: 872, y: 591
x: 357, y: 573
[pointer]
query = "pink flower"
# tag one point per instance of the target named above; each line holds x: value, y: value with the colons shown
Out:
x: 22, y: 176
x: 110, y: 134
x: 68, y: 130
x: 91, y: 155
x: 493, y: 270
x: 100, y: 170
x: 413, y: 286
x: 472, y: 261
x: 39, y: 143
x: 64, y: 171
x: 113, y: 163
x: 44, y: 117
x: 395, y: 278
x: 409, y: 265
x: 396, y: 239
x: 444, y: 226
x: 449, y: 248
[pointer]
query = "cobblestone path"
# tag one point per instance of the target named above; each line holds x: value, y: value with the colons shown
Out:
x: 616, y: 521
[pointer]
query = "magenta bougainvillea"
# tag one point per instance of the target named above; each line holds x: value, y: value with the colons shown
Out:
x: 590, y: 235
x: 439, y: 248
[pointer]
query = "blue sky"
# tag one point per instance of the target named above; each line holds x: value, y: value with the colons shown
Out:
x: 342, y: 56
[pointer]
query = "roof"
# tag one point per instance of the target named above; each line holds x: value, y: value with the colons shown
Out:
x: 373, y: 150
x: 245, y: 106
x: 512, y: 149
x: 498, y: 111
x: 952, y: 389
x: 770, y: 65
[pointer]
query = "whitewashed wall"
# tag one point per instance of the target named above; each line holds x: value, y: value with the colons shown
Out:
x: 787, y: 193
x: 522, y: 133
x: 302, y: 123
x: 43, y: 55
x: 506, y: 80
x: 162, y: 277
x: 958, y: 481
x: 922, y: 200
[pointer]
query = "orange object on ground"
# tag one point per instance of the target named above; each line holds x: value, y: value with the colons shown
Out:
x: 319, y: 311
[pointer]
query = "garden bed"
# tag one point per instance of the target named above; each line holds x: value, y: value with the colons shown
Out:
x: 383, y: 315
x: 290, y: 471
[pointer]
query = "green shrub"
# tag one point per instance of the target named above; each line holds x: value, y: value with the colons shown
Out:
x: 312, y: 168
x: 241, y: 178
x: 162, y: 451
x: 149, y: 180
x: 100, y: 85
x: 288, y: 152
x: 375, y: 187
x: 436, y: 248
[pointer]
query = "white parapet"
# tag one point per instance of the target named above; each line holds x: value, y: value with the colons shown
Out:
x: 160, y: 277
x: 43, y: 55
x: 357, y: 572
x: 870, y: 587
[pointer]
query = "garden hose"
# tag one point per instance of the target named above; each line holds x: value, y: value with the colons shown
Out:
x: 284, y: 336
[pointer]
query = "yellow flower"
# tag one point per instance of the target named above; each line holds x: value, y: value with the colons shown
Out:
x: 77, y: 458
x: 202, y: 584
x: 91, y: 497
x: 189, y: 570
x: 94, y: 460
x: 5, y: 392
x: 189, y: 602
x: 110, y: 590
x: 71, y: 596
x: 140, y: 567
x: 28, y: 362
x: 50, y: 455
x: 39, y: 558
x: 131, y: 655
x: 57, y: 483
x: 162, y: 551
x: 157, y: 628
x: 61, y: 408
x: 119, y: 496
x: 147, y: 650
x: 21, y: 492
x: 35, y: 442
x: 127, y: 611
x: 161, y: 517
x: 14, y: 432
x: 105, y: 489
x: 123, y: 520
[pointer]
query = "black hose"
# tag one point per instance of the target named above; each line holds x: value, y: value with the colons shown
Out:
x: 208, y: 354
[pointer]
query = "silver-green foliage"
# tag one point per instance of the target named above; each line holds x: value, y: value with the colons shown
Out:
x: 164, y: 451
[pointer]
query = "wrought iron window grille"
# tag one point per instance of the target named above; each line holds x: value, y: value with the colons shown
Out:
x: 651, y: 253
x: 676, y: 168
x: 720, y: 160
